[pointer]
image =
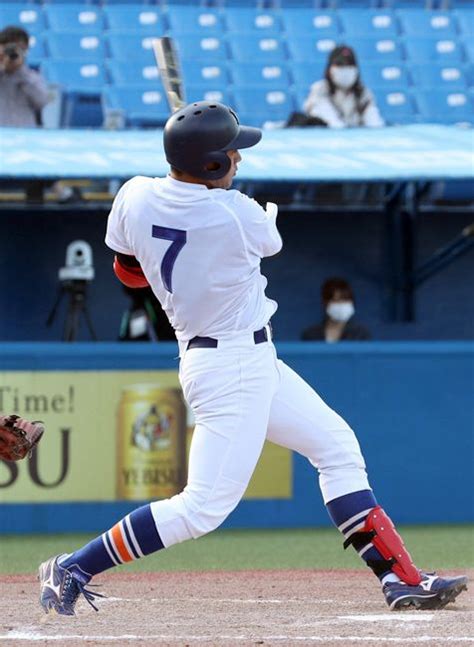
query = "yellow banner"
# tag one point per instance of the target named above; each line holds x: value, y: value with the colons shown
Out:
x: 112, y: 436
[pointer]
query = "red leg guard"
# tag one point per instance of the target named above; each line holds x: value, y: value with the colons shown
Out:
x: 390, y: 545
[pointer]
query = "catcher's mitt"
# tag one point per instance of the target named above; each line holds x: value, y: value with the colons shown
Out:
x: 18, y: 437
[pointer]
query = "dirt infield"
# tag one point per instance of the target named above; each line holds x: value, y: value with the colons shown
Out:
x: 222, y: 609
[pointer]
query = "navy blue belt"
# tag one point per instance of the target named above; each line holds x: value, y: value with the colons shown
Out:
x: 259, y: 337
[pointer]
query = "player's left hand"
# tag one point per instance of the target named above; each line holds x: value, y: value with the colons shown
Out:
x: 18, y: 437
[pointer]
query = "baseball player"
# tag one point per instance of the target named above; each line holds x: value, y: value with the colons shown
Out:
x: 199, y: 246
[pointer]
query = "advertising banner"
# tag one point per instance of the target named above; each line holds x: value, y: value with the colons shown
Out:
x: 112, y: 435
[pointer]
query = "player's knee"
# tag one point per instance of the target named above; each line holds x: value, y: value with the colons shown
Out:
x: 206, y: 511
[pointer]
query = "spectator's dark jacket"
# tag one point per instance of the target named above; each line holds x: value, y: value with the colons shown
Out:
x: 353, y: 331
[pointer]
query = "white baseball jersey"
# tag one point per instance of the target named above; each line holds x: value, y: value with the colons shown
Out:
x: 200, y: 250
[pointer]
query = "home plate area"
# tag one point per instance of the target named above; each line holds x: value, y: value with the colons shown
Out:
x: 281, y: 608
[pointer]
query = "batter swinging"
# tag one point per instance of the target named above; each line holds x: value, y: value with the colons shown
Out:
x: 199, y: 246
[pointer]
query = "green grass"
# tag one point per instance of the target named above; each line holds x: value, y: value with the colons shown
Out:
x: 432, y: 547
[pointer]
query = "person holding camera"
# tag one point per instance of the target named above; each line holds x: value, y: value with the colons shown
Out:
x: 23, y: 92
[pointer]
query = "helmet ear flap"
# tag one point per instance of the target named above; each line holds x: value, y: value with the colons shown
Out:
x: 216, y: 165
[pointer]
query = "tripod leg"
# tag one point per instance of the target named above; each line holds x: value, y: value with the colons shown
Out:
x: 89, y: 322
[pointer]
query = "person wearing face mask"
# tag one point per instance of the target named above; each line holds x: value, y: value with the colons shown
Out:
x: 338, y: 323
x: 340, y: 99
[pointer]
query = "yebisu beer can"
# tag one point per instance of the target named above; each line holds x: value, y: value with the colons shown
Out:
x: 151, y: 452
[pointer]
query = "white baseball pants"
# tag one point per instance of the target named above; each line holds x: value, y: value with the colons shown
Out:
x: 241, y: 394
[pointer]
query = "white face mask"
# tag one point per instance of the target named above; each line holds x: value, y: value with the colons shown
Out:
x: 343, y: 77
x: 340, y: 310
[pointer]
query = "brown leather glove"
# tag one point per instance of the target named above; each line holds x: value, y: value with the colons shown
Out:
x: 18, y: 437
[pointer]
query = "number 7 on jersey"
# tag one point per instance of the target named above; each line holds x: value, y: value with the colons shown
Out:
x: 178, y: 241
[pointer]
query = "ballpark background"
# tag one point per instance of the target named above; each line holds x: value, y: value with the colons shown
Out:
x: 388, y: 209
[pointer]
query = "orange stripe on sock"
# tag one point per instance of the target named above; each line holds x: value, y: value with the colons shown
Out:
x: 116, y: 533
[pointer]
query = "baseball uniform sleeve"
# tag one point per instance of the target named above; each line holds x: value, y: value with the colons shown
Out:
x: 259, y: 225
x: 115, y: 237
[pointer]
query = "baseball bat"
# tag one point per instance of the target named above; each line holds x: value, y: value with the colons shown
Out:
x: 167, y: 61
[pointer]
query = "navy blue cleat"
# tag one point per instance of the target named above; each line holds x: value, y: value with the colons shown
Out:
x: 433, y: 592
x: 60, y: 588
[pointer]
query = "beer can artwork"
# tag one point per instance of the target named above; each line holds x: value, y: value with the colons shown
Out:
x: 151, y: 452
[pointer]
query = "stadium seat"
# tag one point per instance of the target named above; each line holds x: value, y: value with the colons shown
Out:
x: 252, y: 21
x: 384, y: 76
x: 264, y: 104
x: 305, y: 74
x: 141, y: 105
x: 140, y: 18
x: 428, y: 24
x: 309, y: 22
x: 275, y: 76
x: 307, y: 49
x: 449, y: 77
x: 377, y: 24
x: 203, y: 20
x: 131, y: 46
x: 27, y: 16
x: 77, y: 17
x: 133, y: 72
x: 200, y: 93
x: 212, y: 77
x: 445, y: 107
x: 469, y: 50
x: 75, y: 45
x: 36, y: 51
x: 396, y: 106
x: 82, y: 109
x: 386, y: 51
x: 429, y: 50
x: 465, y: 19
x: 72, y: 74
x: 252, y: 48
x: 195, y: 47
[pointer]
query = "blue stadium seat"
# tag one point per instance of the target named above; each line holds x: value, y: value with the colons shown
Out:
x: 198, y: 92
x: 396, y: 106
x: 131, y: 46
x: 27, y: 16
x: 274, y: 76
x: 465, y: 19
x: 73, y: 74
x: 308, y: 22
x: 141, y: 105
x: 386, y: 51
x: 377, y: 24
x: 445, y: 107
x: 469, y: 50
x: 428, y: 24
x: 308, y: 48
x: 429, y: 50
x: 252, y: 21
x: 131, y: 72
x: 140, y: 18
x: 263, y: 104
x: 195, y: 47
x: 212, y: 77
x: 71, y: 44
x: 305, y: 74
x: 253, y: 48
x: 384, y: 76
x: 449, y: 77
x: 203, y: 20
x: 82, y: 109
x: 77, y: 17
x: 37, y: 50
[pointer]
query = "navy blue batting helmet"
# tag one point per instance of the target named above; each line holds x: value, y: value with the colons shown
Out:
x: 197, y: 137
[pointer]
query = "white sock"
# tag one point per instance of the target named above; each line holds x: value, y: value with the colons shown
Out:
x: 390, y: 577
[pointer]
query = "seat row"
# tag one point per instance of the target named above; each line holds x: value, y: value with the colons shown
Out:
x: 177, y: 19
x: 126, y: 45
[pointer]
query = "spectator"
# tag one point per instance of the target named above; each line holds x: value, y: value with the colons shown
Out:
x: 340, y: 99
x: 338, y: 323
x: 23, y: 93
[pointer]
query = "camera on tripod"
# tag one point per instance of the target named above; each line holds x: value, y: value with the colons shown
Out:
x: 74, y: 277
